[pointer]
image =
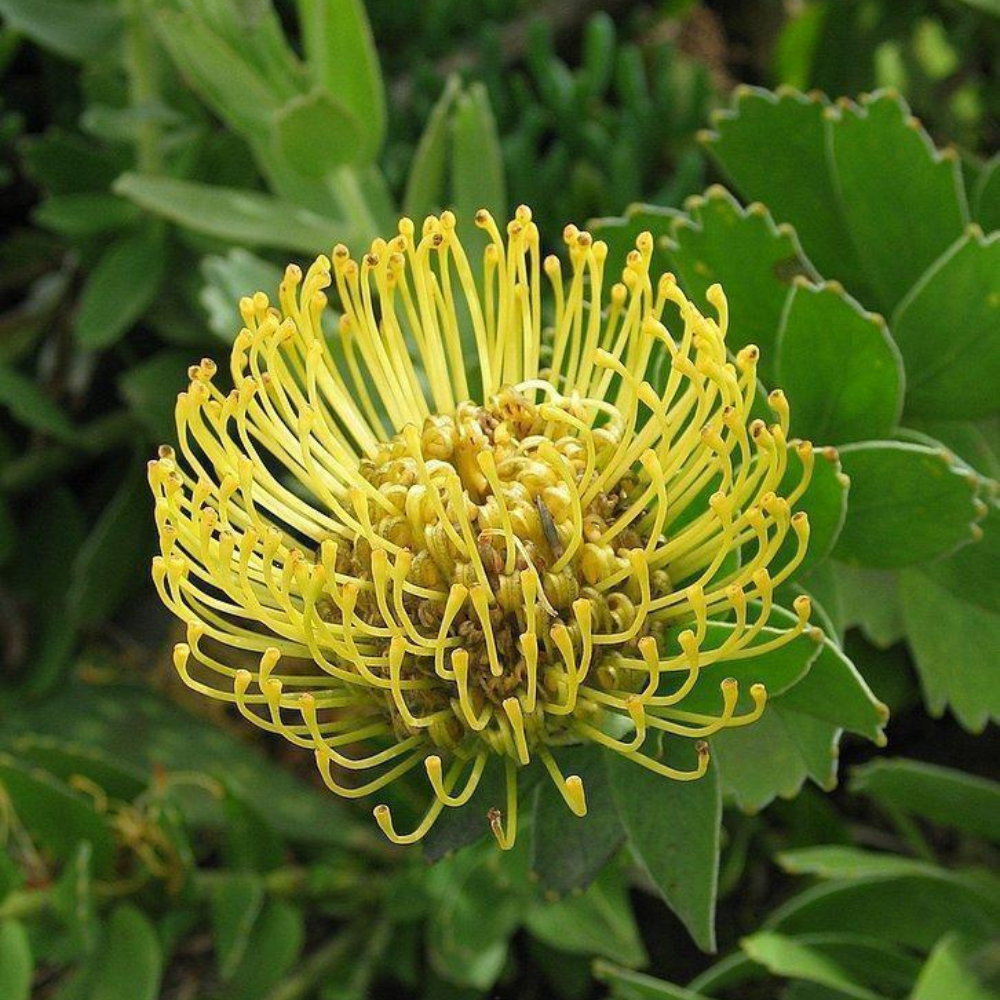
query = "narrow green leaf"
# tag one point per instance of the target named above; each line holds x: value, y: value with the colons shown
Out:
x: 753, y: 259
x: 838, y: 366
x: 236, y: 901
x: 248, y: 218
x: 951, y: 972
x: 902, y: 201
x: 79, y: 31
x: 17, y: 966
x: 568, y: 850
x: 32, y: 406
x: 104, y: 569
x: 342, y: 57
x: 274, y: 947
x: 125, y: 281
x: 793, y: 959
x: 839, y: 862
x: 628, y: 985
x: 794, y: 178
x: 673, y: 830
x: 939, y: 794
x: 477, y: 173
x: 956, y: 646
x: 946, y: 328
x: 84, y: 214
x: 426, y: 182
x: 908, y: 503
x: 150, y: 388
x: 316, y: 133
x: 130, y: 963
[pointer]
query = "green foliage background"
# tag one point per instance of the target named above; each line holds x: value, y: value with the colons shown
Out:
x: 160, y: 158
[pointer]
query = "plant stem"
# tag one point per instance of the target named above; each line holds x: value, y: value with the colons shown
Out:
x: 143, y: 76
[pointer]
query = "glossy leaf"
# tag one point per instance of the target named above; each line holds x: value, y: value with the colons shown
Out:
x: 342, y: 57
x: 946, y: 328
x: 753, y: 259
x: 908, y: 504
x: 130, y: 962
x: 956, y: 646
x: 869, y: 601
x: 316, y: 133
x: 986, y: 197
x: 150, y: 388
x: 673, y: 831
x: 941, y: 795
x: 902, y: 201
x: 838, y: 366
x: 951, y: 971
x: 31, y: 405
x: 568, y: 851
x: 246, y: 218
x: 773, y: 147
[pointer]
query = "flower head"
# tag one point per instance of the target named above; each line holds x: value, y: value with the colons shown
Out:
x: 490, y: 512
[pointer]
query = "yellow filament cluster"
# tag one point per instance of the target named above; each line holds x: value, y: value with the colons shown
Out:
x: 475, y: 518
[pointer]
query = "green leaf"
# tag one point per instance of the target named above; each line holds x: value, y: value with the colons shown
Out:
x: 477, y: 173
x: 130, y: 961
x: 56, y: 817
x: 103, y: 572
x: 231, y: 85
x: 229, y: 278
x: 909, y: 503
x: 951, y: 972
x: 599, y: 922
x: 773, y: 147
x: 628, y: 985
x: 248, y: 218
x: 939, y: 794
x: 119, y: 289
x: 250, y: 843
x: 236, y: 901
x: 275, y: 945
x: 840, y: 862
x: 32, y: 406
x: 84, y: 214
x: 869, y: 601
x: 838, y: 366
x: 64, y: 760
x: 316, y: 134
x: 946, y: 328
x: 775, y: 756
x: 673, y: 831
x: 913, y: 910
x: 426, y: 182
x: 956, y: 646
x: 342, y: 56
x: 754, y: 260
x: 567, y: 850
x: 792, y: 958
x: 17, y: 966
x: 79, y: 31
x: 986, y: 197
x: 620, y: 232
x: 150, y: 388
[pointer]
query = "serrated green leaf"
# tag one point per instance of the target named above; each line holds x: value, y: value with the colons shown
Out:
x: 956, y: 647
x: 908, y: 504
x: 316, y: 134
x: 236, y: 901
x: 246, y: 218
x: 754, y: 260
x: 150, y: 388
x: 794, y: 178
x: 869, y: 601
x: 130, y: 963
x: 826, y: 502
x: 79, y: 31
x: 838, y: 366
x: 940, y: 794
x: 951, y: 971
x: 118, y: 290
x: 342, y: 57
x: 17, y: 966
x: 673, y: 831
x: 793, y: 958
x: 620, y: 232
x: 899, y: 227
x: 598, y: 922
x: 946, y: 328
x: 32, y: 406
x: 426, y: 182
x: 986, y: 196
x: 567, y: 850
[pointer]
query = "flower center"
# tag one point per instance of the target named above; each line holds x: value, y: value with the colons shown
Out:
x: 533, y: 526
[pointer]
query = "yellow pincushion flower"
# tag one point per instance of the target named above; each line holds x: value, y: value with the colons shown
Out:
x: 473, y: 523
